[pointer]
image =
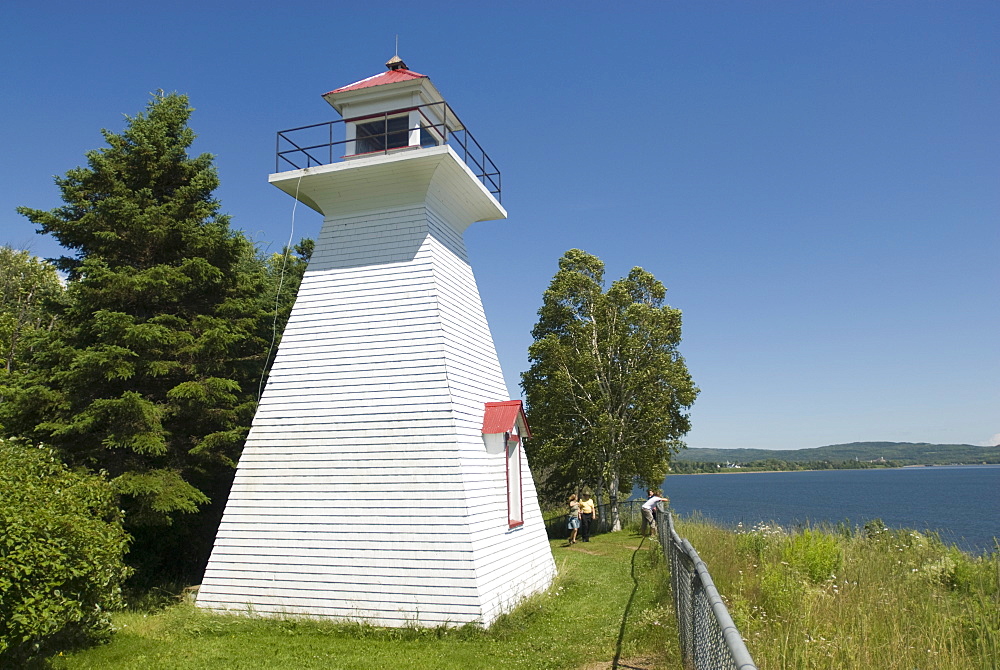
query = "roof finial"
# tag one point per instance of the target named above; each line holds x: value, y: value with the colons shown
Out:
x: 396, y: 63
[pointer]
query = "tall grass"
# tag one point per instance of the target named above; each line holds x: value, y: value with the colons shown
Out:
x: 845, y: 598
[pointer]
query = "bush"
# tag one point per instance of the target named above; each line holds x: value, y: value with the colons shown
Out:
x: 781, y: 590
x: 759, y: 539
x: 816, y: 555
x: 61, y: 550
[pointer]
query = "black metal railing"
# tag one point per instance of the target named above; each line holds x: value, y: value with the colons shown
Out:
x: 326, y: 143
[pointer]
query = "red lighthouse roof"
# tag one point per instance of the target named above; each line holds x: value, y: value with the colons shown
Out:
x: 397, y: 73
x: 399, y: 89
x: 390, y: 77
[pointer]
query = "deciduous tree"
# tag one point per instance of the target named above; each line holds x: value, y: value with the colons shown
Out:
x: 27, y: 284
x: 608, y: 392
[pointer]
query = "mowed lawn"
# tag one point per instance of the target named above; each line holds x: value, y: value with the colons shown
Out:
x: 611, y: 599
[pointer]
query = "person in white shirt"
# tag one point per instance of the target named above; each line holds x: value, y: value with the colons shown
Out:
x: 649, y: 512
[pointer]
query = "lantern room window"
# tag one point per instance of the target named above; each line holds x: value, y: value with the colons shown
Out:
x: 429, y: 137
x: 394, y: 132
x: 382, y: 135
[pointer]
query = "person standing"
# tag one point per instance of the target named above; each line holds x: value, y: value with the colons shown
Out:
x: 573, y: 520
x: 588, y: 513
x: 649, y: 512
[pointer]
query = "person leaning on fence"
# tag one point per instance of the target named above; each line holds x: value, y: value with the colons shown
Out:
x: 588, y: 512
x: 649, y: 512
x: 573, y: 520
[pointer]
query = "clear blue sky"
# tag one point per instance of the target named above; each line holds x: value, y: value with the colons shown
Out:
x: 817, y: 183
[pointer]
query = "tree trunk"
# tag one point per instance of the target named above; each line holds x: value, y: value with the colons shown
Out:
x: 599, y: 494
x: 616, y: 521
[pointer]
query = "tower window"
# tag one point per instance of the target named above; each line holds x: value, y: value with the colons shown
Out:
x: 429, y: 137
x: 381, y: 135
x: 515, y: 500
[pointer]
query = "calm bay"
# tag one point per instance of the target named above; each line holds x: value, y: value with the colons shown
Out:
x: 962, y: 503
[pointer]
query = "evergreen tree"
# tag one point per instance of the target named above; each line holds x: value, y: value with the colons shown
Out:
x: 153, y: 370
x: 607, y: 390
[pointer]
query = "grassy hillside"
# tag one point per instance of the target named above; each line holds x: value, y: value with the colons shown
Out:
x: 904, y: 453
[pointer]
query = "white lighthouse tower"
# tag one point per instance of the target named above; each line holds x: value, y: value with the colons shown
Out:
x: 383, y: 479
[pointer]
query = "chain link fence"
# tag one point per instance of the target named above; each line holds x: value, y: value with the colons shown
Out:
x: 708, y: 637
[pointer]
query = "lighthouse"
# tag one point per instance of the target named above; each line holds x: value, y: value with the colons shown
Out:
x: 384, y: 478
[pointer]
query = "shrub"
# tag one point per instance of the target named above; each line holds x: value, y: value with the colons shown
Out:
x: 781, y: 591
x: 875, y: 529
x: 758, y: 539
x: 816, y: 555
x: 959, y: 571
x: 61, y: 550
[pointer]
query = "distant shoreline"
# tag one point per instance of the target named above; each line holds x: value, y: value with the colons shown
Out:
x: 743, y: 471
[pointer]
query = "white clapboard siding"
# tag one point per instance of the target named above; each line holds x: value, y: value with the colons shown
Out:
x: 365, y: 491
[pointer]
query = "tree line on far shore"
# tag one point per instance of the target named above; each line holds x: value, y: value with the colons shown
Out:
x: 678, y: 467
x: 854, y: 456
x: 906, y: 453
x: 681, y: 467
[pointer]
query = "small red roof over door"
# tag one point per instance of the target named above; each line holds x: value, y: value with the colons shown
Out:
x: 500, y: 417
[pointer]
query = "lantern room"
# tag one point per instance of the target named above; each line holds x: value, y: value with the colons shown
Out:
x: 395, y: 110
x: 390, y: 114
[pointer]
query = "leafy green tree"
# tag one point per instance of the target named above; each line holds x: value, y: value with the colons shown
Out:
x: 607, y: 390
x: 61, y: 549
x: 27, y: 285
x: 153, y: 370
x: 284, y: 275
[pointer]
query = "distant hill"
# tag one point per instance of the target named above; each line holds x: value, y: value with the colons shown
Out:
x: 904, y: 453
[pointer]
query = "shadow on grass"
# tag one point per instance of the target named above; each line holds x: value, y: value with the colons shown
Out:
x: 615, y: 664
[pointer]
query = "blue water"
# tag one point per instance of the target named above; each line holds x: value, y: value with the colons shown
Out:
x: 962, y: 503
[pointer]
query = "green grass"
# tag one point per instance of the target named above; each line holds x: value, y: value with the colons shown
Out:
x: 577, y: 624
x: 838, y: 598
x: 816, y: 598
